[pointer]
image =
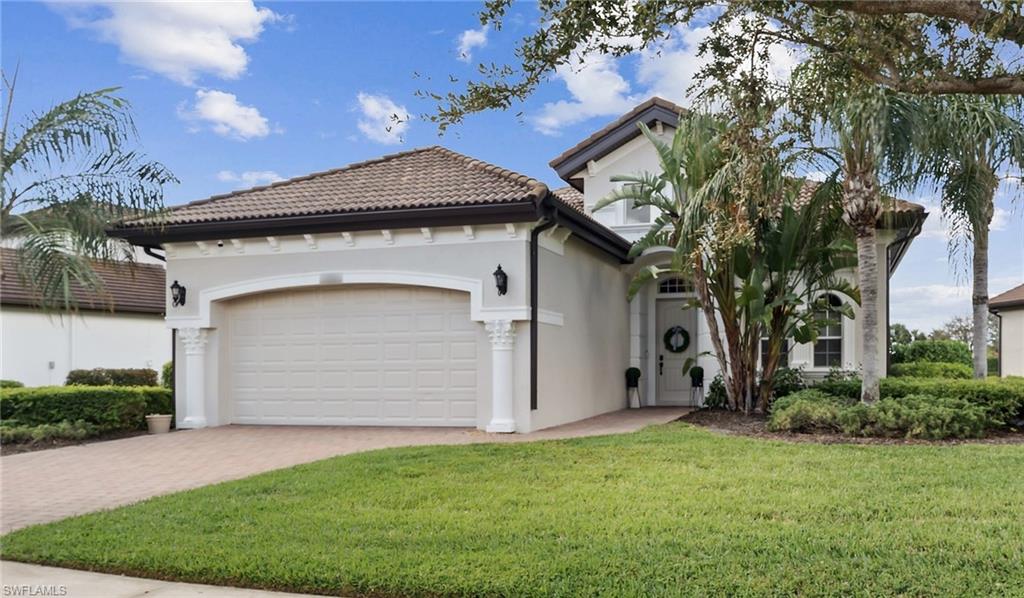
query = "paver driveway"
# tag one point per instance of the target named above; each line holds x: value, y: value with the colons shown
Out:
x: 53, y: 484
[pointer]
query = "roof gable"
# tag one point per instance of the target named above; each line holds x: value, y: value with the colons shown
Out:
x: 615, y: 134
x: 1012, y: 298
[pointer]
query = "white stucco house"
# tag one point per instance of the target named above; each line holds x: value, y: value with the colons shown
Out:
x: 368, y: 295
x: 1009, y: 309
x: 122, y: 328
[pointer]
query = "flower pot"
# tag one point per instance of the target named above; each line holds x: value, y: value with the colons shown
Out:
x: 158, y: 424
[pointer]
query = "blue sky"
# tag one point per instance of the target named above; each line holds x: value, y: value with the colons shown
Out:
x: 229, y: 96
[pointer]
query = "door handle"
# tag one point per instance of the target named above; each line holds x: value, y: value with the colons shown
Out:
x: 661, y: 364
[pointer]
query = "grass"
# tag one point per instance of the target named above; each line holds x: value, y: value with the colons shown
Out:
x: 672, y: 510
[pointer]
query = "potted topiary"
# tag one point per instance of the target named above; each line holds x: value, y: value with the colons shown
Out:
x: 158, y: 423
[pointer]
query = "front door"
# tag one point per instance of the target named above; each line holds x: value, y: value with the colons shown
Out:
x: 675, y: 342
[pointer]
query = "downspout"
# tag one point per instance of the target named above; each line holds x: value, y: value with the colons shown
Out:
x: 547, y: 222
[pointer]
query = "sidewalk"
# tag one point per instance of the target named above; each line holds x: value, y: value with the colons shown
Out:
x: 19, y: 579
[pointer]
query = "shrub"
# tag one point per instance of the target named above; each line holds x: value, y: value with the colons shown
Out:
x: 910, y: 416
x: 716, y: 397
x: 806, y: 411
x: 108, y: 408
x: 1002, y: 398
x: 112, y: 377
x: 931, y: 369
x: 786, y: 381
x: 65, y: 430
x: 936, y: 351
x: 11, y: 384
x: 167, y: 375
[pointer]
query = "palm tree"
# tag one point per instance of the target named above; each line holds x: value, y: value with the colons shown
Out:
x: 877, y: 132
x: 975, y: 138
x: 65, y: 174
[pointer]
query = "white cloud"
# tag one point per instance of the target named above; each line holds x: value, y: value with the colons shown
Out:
x: 938, y: 227
x: 597, y: 89
x: 928, y: 306
x: 382, y: 120
x: 226, y: 116
x: 470, y: 39
x: 249, y: 178
x: 180, y: 40
x: 667, y: 69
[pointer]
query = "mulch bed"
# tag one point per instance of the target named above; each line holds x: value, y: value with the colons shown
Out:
x: 755, y: 426
x: 30, y: 447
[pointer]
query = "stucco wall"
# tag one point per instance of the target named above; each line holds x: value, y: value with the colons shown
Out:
x: 31, y: 340
x: 450, y: 252
x: 581, y: 364
x: 1011, y: 345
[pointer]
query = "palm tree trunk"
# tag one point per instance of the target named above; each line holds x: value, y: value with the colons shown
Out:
x: 700, y: 283
x: 979, y: 301
x: 867, y: 266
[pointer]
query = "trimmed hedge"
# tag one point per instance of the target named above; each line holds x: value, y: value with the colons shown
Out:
x: 11, y: 384
x: 65, y: 430
x: 167, y: 375
x: 112, y: 377
x: 1002, y: 398
x: 934, y: 351
x: 108, y: 408
x: 931, y: 369
x: 910, y: 416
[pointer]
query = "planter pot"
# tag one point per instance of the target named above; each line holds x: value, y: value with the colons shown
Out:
x: 158, y: 424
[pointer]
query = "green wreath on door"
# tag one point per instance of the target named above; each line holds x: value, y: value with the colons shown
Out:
x: 676, y: 339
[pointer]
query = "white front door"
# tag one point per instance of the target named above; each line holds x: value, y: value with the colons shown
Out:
x: 675, y: 341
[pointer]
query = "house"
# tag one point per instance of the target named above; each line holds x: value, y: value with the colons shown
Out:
x: 121, y: 328
x: 1009, y: 308
x: 427, y: 288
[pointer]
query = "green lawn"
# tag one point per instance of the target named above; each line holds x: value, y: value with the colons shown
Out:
x: 673, y: 510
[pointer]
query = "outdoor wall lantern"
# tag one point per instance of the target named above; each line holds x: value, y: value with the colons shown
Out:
x: 177, y: 294
x: 501, y: 280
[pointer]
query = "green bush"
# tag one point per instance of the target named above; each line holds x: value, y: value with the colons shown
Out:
x: 931, y: 369
x: 167, y: 375
x: 108, y: 408
x: 786, y: 381
x: 716, y: 397
x: 1002, y: 398
x: 910, y: 416
x: 112, y: 377
x: 11, y: 384
x: 65, y: 430
x: 936, y: 351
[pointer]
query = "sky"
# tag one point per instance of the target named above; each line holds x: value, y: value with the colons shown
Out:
x: 231, y: 95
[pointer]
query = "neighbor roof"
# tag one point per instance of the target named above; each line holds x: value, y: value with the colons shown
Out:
x: 1012, y: 298
x: 127, y: 288
x: 613, y: 135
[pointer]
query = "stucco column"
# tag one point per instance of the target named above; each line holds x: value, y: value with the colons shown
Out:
x: 503, y: 407
x: 194, y: 340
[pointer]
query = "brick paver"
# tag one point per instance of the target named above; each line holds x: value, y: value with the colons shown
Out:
x: 53, y: 484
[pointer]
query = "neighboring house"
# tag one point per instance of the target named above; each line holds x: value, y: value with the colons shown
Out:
x: 372, y: 295
x: 1009, y: 308
x: 121, y: 328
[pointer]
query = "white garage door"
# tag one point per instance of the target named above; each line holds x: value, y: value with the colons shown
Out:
x: 360, y: 355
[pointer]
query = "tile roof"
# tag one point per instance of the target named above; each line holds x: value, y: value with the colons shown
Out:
x: 570, y: 197
x: 128, y: 288
x: 1012, y: 298
x: 625, y: 119
x: 421, y: 178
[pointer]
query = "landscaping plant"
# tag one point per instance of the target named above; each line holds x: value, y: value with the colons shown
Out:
x: 112, y: 377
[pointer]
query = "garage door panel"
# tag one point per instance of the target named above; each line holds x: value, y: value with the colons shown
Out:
x: 384, y: 355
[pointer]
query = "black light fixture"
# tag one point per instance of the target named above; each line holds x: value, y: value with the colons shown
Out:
x: 501, y: 280
x: 177, y: 294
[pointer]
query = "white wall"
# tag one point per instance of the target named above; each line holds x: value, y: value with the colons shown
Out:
x: 1011, y: 345
x: 31, y: 341
x: 581, y: 364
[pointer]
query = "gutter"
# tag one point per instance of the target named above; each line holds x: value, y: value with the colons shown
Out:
x: 149, y: 250
x: 546, y: 223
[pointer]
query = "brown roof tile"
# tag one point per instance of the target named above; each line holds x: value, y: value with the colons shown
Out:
x: 128, y: 288
x: 570, y: 197
x: 421, y: 178
x: 1012, y: 298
